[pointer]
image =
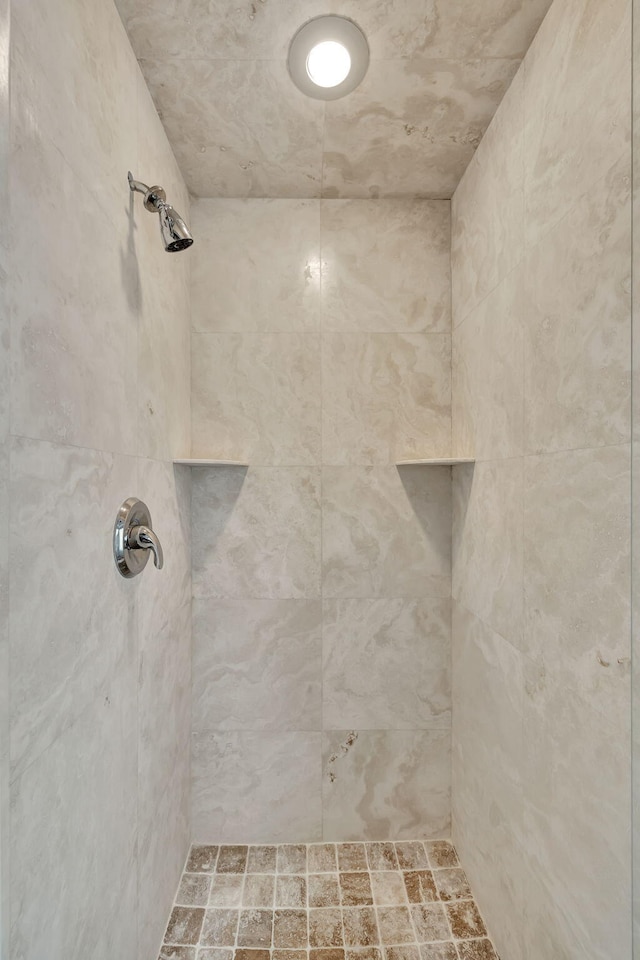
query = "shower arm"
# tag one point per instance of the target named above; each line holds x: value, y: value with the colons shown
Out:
x: 154, y: 197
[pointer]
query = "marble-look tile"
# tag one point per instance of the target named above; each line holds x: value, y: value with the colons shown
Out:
x: 386, y: 532
x: 385, y: 397
x: 487, y: 209
x: 577, y: 330
x: 487, y: 548
x: 386, y: 266
x: 256, y: 397
x: 66, y: 88
x: 386, y: 664
x: 577, y: 573
x: 277, y: 153
x: 256, y: 265
x: 577, y: 898
x: 257, y: 665
x: 577, y: 77
x: 487, y: 773
x: 488, y: 375
x: 59, y: 660
x: 381, y: 783
x: 74, y: 807
x: 411, y: 127
x: 256, y: 533
x: 65, y: 313
x: 407, y: 29
x: 239, y: 775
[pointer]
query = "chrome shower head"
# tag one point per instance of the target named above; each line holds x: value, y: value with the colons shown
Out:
x: 174, y: 231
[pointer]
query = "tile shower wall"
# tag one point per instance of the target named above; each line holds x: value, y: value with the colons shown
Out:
x: 541, y: 357
x: 321, y: 574
x: 99, y: 666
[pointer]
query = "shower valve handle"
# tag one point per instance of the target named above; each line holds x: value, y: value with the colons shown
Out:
x: 145, y: 539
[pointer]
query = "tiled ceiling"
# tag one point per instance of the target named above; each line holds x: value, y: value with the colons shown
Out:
x: 240, y: 128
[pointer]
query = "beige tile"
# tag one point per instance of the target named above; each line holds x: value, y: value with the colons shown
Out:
x: 385, y: 266
x: 386, y: 532
x: 256, y: 533
x: 465, y: 920
x: 439, y: 951
x: 382, y: 856
x: 395, y: 925
x: 577, y: 330
x: 233, y: 373
x: 488, y: 544
x: 226, y: 890
x: 256, y: 265
x: 360, y: 927
x: 275, y: 771
x: 290, y: 928
x: 193, y: 889
x: 352, y: 856
x: 292, y: 858
x: 441, y: 853
x: 324, y: 890
x: 355, y: 890
x: 172, y: 952
x: 261, y: 859
x: 256, y: 665
x: 232, y: 859
x: 487, y: 210
x: 411, y: 855
x: 321, y: 858
x: 388, y: 888
x: 185, y: 924
x: 258, y: 890
x: 291, y: 891
x: 325, y: 928
x: 255, y: 928
x: 452, y: 884
x: 430, y: 922
x: 386, y: 397
x: 394, y: 670
x: 420, y: 886
x: 386, y: 782
x: 408, y: 951
x: 202, y: 859
x: 476, y: 950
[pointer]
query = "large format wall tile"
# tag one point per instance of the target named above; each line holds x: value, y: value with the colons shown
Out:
x: 256, y: 397
x: 386, y: 664
x: 386, y: 532
x: 238, y: 776
x: 488, y: 544
x: 257, y: 665
x: 577, y: 573
x: 60, y: 662
x: 487, y: 777
x: 578, y: 337
x: 429, y: 125
x: 386, y: 266
x: 577, y: 105
x: 386, y: 783
x: 487, y: 211
x: 385, y: 397
x: 488, y: 375
x: 74, y: 837
x: 256, y: 533
x: 256, y: 265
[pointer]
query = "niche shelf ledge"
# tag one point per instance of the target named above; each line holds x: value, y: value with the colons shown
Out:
x: 194, y: 462
x: 435, y: 462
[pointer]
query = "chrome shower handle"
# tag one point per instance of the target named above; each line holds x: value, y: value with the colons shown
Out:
x: 144, y: 538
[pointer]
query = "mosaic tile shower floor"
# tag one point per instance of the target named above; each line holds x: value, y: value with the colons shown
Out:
x: 326, y: 901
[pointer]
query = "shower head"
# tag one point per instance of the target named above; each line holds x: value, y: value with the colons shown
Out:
x: 174, y: 231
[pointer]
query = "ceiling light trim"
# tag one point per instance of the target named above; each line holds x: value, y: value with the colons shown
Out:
x: 316, y: 31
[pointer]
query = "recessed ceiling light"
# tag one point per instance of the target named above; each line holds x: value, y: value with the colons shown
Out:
x: 328, y: 57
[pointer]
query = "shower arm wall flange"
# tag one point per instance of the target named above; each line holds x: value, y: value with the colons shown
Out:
x: 153, y: 196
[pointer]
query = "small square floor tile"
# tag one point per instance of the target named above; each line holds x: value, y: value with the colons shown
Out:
x: 202, y: 859
x: 360, y: 927
x: 322, y: 858
x: 476, y: 950
x: 332, y: 953
x: 232, y: 859
x: 226, y: 890
x: 395, y: 925
x: 215, y: 953
x: 291, y: 891
x: 194, y: 890
x: 351, y: 856
x: 246, y: 953
x: 452, y: 884
x: 255, y: 928
x: 407, y: 951
x: 420, y: 886
x: 355, y: 890
x: 439, y: 951
x: 288, y: 955
x: 290, y: 929
x: 465, y: 920
x: 292, y: 858
x: 411, y: 856
x: 171, y: 952
x: 388, y: 889
x: 259, y: 889
x: 364, y: 953
x: 441, y: 853
x: 325, y: 928
x: 261, y: 859
x: 219, y: 928
x: 381, y: 856
x: 323, y: 890
x: 430, y: 922
x: 184, y: 925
